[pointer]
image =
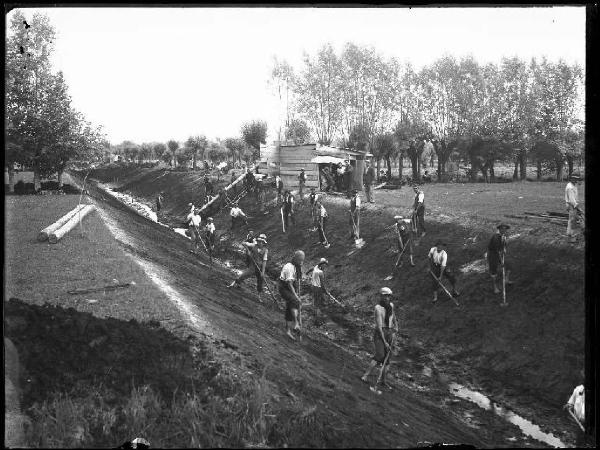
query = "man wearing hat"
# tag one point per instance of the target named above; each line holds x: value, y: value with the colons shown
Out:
x: 368, y: 180
x: 572, y: 202
x: 301, y: 182
x: 209, y: 231
x: 289, y: 289
x: 257, y: 256
x: 318, y: 286
x: 386, y: 326
x: 419, y: 211
x: 496, y: 253
x: 438, y: 259
x: 404, y: 233
x: 354, y: 215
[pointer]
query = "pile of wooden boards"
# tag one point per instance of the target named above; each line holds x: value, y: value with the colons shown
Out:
x: 66, y: 223
x: 548, y: 216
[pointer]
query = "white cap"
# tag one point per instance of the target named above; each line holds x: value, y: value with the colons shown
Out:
x: 385, y: 291
x: 323, y: 261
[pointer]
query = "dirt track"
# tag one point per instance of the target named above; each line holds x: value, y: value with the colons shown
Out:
x: 320, y: 370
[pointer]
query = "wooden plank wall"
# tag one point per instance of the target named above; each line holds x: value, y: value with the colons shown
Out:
x: 293, y: 158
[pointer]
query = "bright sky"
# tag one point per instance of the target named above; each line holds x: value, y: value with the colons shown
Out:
x: 153, y: 74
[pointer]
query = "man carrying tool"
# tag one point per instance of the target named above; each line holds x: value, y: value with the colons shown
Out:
x: 194, y: 219
x: 572, y: 202
x: 496, y: 252
x: 289, y: 289
x: 237, y: 216
x: 404, y: 240
x: 322, y: 219
x: 368, y: 180
x: 301, y: 183
x: 318, y: 286
x: 279, y: 187
x: 354, y: 215
x: 386, y: 326
x: 209, y: 233
x: 159, y: 205
x: 256, y: 253
x: 438, y: 259
x: 312, y: 199
x: 288, y: 209
x: 418, y: 216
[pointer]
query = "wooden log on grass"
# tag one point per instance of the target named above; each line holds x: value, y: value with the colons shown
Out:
x: 72, y: 223
x: 46, y: 232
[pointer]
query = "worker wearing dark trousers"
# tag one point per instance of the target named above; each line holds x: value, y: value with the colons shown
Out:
x: 321, y: 223
x: 312, y: 200
x: 288, y: 208
x: 404, y: 238
x: 354, y: 219
x: 159, y: 205
x: 419, y: 212
x: 496, y: 253
x: 301, y: 183
x: 438, y: 259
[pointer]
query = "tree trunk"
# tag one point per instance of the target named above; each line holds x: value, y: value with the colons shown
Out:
x: 570, y: 165
x: 492, y: 175
x: 523, y: 164
x: 11, y: 179
x: 193, y: 161
x: 37, y: 183
x: 60, y: 178
x: 539, y: 170
x: 474, y: 170
x: 389, y: 166
x: 559, y: 169
x: 516, y: 171
x: 378, y: 167
x: 400, y: 165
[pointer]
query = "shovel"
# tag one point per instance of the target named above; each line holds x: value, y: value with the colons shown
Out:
x: 385, y: 361
x: 358, y: 242
x: 576, y: 420
x: 444, y: 288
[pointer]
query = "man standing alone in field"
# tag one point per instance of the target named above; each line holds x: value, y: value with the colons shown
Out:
x: 386, y: 326
x: 419, y: 212
x: 289, y: 289
x: 496, y: 253
x: 572, y: 202
x: 368, y: 180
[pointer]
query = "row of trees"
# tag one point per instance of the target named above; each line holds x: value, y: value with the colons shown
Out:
x: 516, y: 111
x: 199, y: 148
x: 43, y: 131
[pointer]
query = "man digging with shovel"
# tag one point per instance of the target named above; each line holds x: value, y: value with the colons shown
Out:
x: 386, y: 328
x: 256, y: 252
x: 289, y: 289
x: 438, y: 259
x: 496, y: 252
x: 404, y: 240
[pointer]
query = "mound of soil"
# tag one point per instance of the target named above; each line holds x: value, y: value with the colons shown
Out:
x: 64, y: 350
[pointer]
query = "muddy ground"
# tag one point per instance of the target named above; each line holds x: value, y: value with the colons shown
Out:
x: 527, y: 356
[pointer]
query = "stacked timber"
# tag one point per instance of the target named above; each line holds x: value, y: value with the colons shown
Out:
x: 57, y: 235
x: 46, y: 232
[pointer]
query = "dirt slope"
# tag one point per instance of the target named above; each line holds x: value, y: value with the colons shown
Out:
x: 527, y: 355
x: 316, y: 370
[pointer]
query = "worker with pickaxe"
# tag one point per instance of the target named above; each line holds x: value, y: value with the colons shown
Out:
x: 438, y: 259
x: 257, y: 255
x: 496, y: 254
x: 318, y: 286
x: 418, y: 216
x: 386, y: 328
x: 404, y: 241
x: 354, y: 215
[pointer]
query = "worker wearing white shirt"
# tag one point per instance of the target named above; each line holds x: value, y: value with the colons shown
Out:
x: 576, y: 403
x: 289, y: 289
x: 572, y: 202
x: 419, y: 212
x: 210, y: 233
x: 318, y: 286
x: 194, y: 219
x: 354, y: 215
x: 438, y: 259
x: 237, y: 215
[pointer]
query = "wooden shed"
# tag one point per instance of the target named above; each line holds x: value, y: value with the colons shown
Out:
x: 291, y: 158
